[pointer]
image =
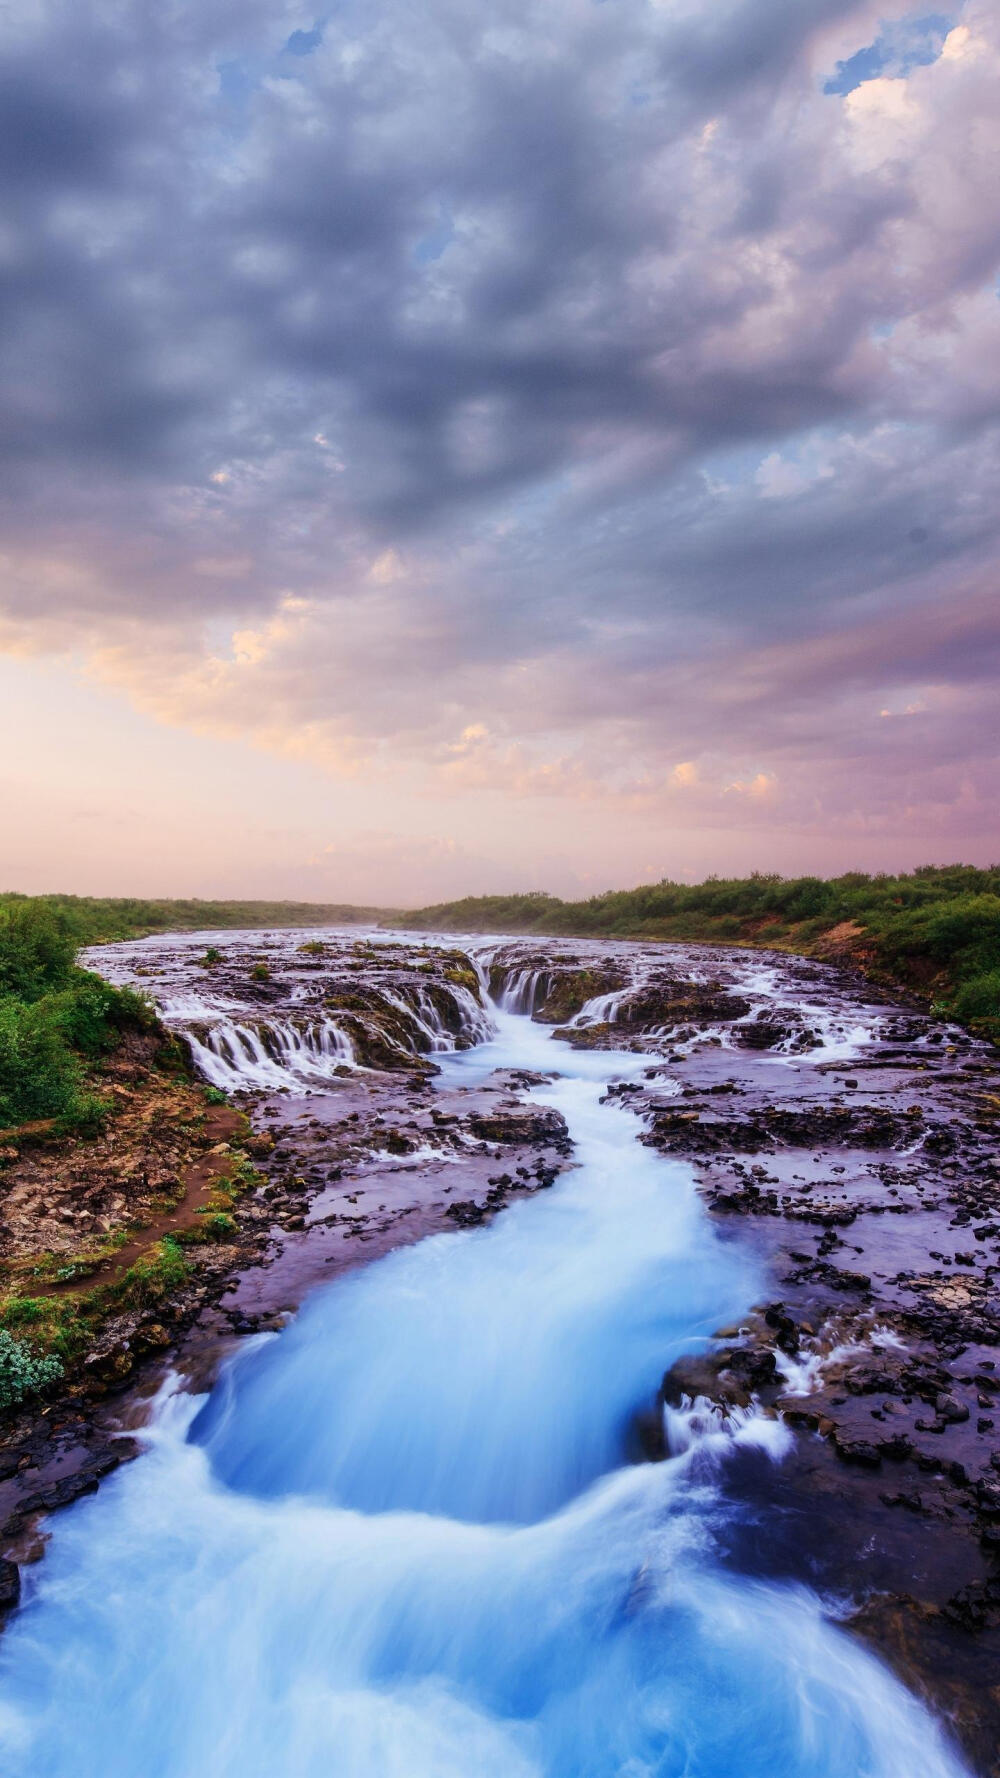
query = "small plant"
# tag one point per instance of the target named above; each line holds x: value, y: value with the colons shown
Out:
x: 313, y: 947
x: 24, y: 1311
x: 212, y: 955
x: 157, y: 1274
x: 218, y: 1225
x: 260, y: 973
x: 215, y: 1096
x: 23, y: 1372
x: 86, y: 1116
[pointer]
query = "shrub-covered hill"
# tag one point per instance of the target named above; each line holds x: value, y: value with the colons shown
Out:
x: 97, y: 919
x: 936, y: 929
x: 56, y: 1020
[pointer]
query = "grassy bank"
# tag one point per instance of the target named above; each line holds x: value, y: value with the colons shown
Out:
x: 936, y: 929
x: 98, y: 919
x: 58, y: 1024
x: 57, y: 1021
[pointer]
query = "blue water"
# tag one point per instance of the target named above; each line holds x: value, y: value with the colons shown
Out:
x: 401, y: 1541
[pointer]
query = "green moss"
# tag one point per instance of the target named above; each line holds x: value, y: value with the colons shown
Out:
x: 465, y: 977
x: 156, y: 1275
x: 217, y: 1225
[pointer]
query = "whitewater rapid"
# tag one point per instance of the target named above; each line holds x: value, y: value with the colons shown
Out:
x: 402, y: 1539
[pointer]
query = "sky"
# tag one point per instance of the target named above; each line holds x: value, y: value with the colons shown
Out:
x: 550, y: 444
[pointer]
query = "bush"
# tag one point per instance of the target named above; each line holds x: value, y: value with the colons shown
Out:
x: 979, y: 1000
x: 39, y: 1074
x: 23, y: 1372
x: 36, y: 951
x: 92, y: 1014
x: 218, y: 1225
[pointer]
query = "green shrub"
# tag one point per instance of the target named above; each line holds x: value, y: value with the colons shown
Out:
x: 45, y: 1042
x: 86, y: 1116
x: 23, y: 1372
x: 36, y: 950
x: 217, y: 1225
x: 93, y: 1015
x: 25, y: 1311
x: 979, y: 999
x: 39, y: 1074
x: 260, y: 973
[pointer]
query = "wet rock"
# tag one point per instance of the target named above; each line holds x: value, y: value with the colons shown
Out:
x: 785, y: 1328
x: 521, y: 1124
x: 950, y: 1410
x: 856, y: 1450
x: 10, y: 1586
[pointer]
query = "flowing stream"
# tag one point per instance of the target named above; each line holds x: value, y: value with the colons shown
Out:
x: 403, y: 1540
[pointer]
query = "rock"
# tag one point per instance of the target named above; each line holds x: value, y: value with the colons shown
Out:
x: 856, y: 1450
x: 951, y: 1411
x: 10, y: 1585
x: 988, y: 1499
x: 897, y: 1447
x: 520, y: 1124
x: 760, y: 1036
x: 787, y: 1332
x: 754, y: 1366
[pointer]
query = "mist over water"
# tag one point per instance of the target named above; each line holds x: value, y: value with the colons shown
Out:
x: 401, y: 1540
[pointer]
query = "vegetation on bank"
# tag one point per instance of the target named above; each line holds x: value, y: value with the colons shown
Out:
x: 101, y: 919
x: 936, y: 929
x: 56, y: 1021
x: 44, y: 1332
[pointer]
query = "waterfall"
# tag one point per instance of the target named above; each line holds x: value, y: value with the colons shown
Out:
x: 402, y: 1539
x: 272, y: 1054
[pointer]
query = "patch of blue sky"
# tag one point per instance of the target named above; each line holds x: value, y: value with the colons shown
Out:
x: 725, y: 471
x: 304, y: 43
x: 790, y: 465
x: 236, y: 83
x: 438, y: 239
x: 902, y: 44
x: 240, y: 78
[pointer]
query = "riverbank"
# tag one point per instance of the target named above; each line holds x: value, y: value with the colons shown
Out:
x: 845, y: 1146
x: 933, y: 933
x: 193, y: 1216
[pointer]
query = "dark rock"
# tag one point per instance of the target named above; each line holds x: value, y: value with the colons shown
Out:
x: 856, y: 1450
x: 10, y: 1586
x: 951, y: 1411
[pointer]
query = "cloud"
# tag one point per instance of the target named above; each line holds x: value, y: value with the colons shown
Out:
x: 528, y: 400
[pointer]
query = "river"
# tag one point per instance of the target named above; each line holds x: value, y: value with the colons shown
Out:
x: 401, y: 1539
